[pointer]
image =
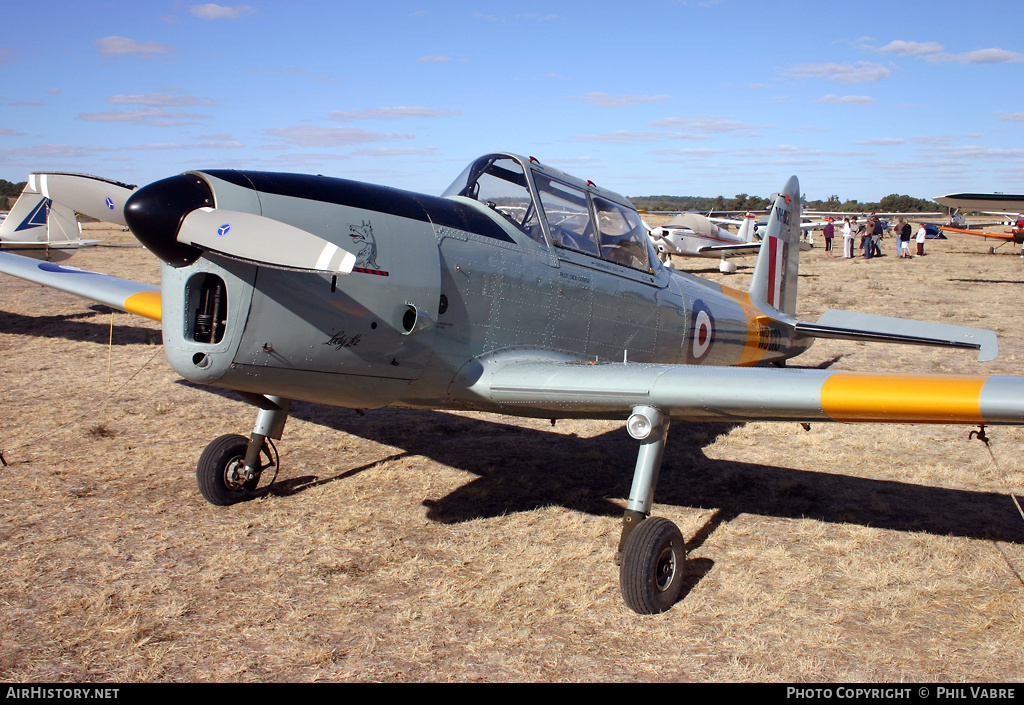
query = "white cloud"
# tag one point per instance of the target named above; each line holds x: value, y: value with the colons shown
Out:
x: 208, y: 144
x: 882, y: 141
x: 710, y: 123
x: 693, y: 153
x: 122, y: 46
x: 395, y: 113
x: 433, y: 59
x: 521, y: 17
x: 395, y: 152
x: 979, y: 56
x: 975, y: 152
x: 604, y: 100
x: 861, y: 72
x: 902, y: 47
x: 637, y: 136
x: 313, y: 136
x: 846, y: 99
x: 1012, y: 117
x: 211, y: 11
x: 166, y: 99
x: 943, y: 139
x: 145, y: 116
x: 53, y: 151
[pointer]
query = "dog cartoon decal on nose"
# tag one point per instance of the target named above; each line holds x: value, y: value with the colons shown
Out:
x: 366, y: 257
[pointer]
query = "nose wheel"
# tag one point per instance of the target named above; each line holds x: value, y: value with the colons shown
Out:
x: 222, y: 474
x: 230, y: 467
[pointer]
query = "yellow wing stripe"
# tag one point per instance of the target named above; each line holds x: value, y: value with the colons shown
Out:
x: 146, y: 303
x: 853, y: 396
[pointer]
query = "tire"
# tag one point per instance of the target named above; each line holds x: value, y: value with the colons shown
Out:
x: 212, y: 471
x: 653, y: 566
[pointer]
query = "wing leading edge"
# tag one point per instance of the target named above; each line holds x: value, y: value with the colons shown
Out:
x: 123, y: 294
x: 705, y: 393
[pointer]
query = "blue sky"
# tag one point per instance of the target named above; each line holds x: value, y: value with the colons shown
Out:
x: 859, y: 99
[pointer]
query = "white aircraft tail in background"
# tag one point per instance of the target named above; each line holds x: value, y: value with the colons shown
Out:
x: 39, y: 228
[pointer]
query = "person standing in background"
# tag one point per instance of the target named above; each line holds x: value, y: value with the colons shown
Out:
x: 903, y: 238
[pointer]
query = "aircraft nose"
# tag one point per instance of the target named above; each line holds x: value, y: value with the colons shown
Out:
x: 154, y: 214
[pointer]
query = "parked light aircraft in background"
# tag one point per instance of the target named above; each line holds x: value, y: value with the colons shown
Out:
x: 696, y: 235
x: 522, y: 290
x: 39, y: 228
x: 992, y: 204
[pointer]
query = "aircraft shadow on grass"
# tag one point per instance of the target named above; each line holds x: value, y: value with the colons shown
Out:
x: 89, y: 326
x: 989, y: 281
x: 521, y: 469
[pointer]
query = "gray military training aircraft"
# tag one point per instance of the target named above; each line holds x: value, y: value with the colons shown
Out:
x: 521, y: 290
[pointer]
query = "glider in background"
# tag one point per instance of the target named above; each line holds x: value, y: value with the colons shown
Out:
x: 39, y: 228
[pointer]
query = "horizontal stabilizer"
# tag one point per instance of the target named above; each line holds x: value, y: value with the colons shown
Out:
x: 849, y: 325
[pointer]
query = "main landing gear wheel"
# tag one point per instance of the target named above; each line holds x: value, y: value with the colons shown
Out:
x: 653, y: 566
x: 220, y: 472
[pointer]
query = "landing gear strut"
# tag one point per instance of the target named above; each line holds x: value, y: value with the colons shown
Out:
x: 230, y: 468
x: 652, y: 552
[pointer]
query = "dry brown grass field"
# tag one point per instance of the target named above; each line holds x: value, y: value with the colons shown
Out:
x: 433, y: 546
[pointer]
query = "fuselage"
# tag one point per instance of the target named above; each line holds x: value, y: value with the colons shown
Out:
x: 441, y: 283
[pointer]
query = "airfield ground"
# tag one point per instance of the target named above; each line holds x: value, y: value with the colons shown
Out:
x: 428, y: 546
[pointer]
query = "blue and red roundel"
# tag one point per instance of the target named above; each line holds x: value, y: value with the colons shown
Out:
x: 702, y: 333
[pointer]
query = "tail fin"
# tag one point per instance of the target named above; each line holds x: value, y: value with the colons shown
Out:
x: 748, y: 228
x: 27, y: 220
x: 775, y: 275
x: 39, y: 228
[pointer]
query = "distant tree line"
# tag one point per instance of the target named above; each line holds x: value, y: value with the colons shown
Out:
x: 9, y: 193
x: 742, y: 202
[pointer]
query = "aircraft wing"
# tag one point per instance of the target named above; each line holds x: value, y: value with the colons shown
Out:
x: 864, y: 214
x: 706, y: 393
x: 979, y: 233
x: 998, y: 202
x: 123, y: 294
x: 740, y: 248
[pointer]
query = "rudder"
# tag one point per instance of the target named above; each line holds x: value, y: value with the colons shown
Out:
x: 775, y: 275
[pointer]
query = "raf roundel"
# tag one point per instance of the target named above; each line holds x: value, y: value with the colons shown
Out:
x: 702, y: 332
x: 223, y: 230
